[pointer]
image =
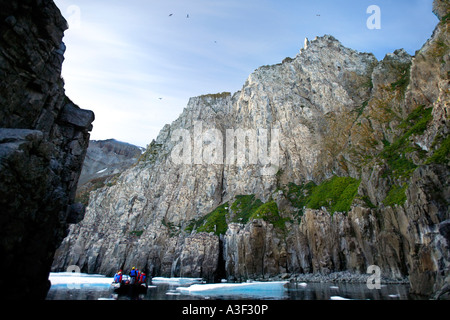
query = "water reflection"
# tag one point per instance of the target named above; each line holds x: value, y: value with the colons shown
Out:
x: 329, y: 291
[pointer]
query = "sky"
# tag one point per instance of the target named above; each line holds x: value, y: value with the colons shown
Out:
x: 136, y: 63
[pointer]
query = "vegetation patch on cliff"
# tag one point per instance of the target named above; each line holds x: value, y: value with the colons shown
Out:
x: 396, y: 152
x: 242, y: 210
x: 336, y: 194
x: 221, y: 95
x: 403, y: 81
x: 396, y: 196
x: 398, y: 155
x: 244, y: 207
x: 299, y: 195
x: 441, y: 155
x: 215, y: 221
x: 269, y: 212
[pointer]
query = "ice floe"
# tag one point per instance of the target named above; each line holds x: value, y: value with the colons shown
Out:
x: 177, y: 281
x: 251, y: 289
x: 76, y: 280
x: 338, y: 298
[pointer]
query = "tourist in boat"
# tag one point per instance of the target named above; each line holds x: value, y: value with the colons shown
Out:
x: 142, y: 278
x: 118, y: 277
x: 133, y: 275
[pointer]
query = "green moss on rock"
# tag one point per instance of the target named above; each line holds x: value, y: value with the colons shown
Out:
x: 269, y: 212
x: 399, y: 166
x: 298, y: 195
x: 244, y: 207
x: 442, y: 154
x: 336, y: 194
x: 215, y: 221
x: 221, y: 95
x: 396, y: 196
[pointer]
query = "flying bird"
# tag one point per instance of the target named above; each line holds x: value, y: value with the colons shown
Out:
x: 187, y: 15
x: 170, y: 14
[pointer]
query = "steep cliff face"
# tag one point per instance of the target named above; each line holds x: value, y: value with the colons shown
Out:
x: 350, y: 169
x: 105, y: 160
x: 107, y: 157
x: 43, y: 141
x: 158, y: 198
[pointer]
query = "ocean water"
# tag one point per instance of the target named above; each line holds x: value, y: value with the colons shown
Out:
x: 66, y: 286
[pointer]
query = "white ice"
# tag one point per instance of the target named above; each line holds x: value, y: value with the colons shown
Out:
x: 177, y: 281
x: 74, y: 280
x: 338, y: 298
x: 254, y: 289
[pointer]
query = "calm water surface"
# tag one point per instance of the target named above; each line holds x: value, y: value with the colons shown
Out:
x: 90, y: 290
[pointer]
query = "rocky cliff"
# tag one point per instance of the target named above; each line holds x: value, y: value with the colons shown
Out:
x: 43, y: 141
x: 329, y: 161
x: 105, y: 160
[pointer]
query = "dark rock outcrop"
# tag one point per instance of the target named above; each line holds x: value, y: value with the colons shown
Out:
x: 43, y: 142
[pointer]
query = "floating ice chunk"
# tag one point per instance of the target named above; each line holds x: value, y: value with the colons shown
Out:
x: 334, y: 287
x: 183, y: 281
x: 254, y: 289
x: 70, y: 279
x: 302, y: 284
x: 338, y: 298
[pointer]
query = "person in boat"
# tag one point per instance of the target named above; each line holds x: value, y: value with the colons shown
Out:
x: 142, y: 278
x: 133, y: 275
x: 118, y: 277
